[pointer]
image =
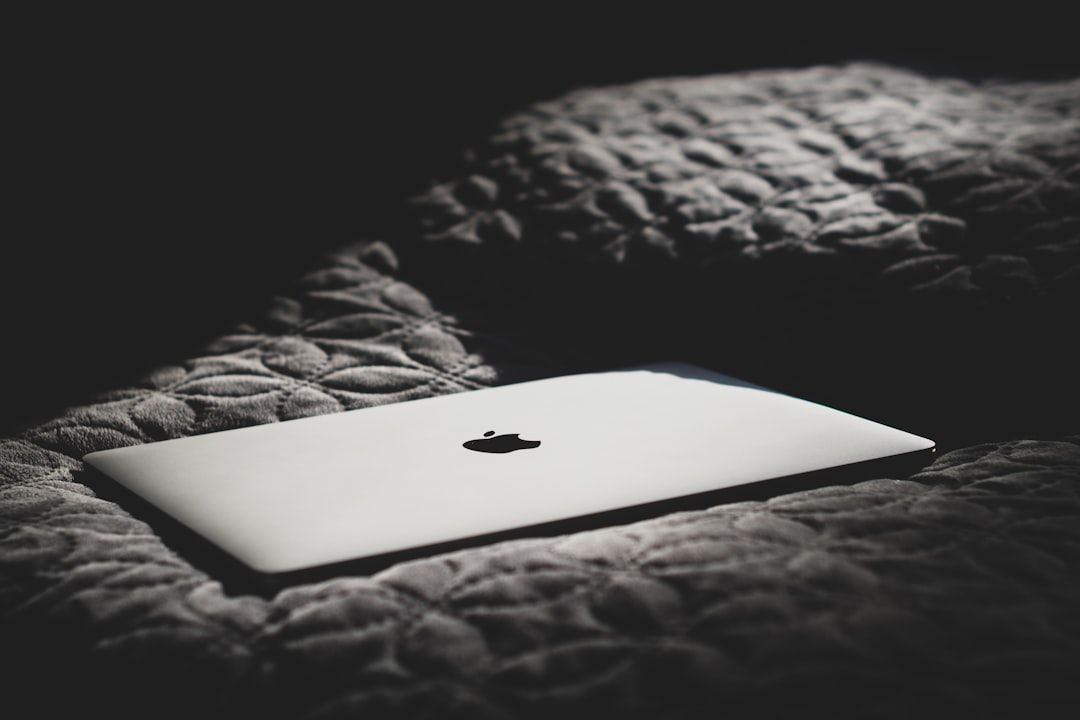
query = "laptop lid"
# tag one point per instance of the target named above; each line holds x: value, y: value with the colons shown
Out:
x: 303, y: 493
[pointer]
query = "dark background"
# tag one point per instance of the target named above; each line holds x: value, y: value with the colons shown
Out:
x: 170, y: 171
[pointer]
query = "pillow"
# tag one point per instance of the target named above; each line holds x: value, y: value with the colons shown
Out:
x: 900, y: 244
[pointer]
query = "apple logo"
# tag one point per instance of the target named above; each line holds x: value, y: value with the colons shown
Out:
x: 500, y: 443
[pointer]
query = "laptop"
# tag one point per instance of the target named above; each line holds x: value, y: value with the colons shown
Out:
x: 353, y: 491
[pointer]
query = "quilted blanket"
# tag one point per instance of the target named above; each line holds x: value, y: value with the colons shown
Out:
x: 902, y: 246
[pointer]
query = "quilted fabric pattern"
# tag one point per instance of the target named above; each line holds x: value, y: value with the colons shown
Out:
x: 942, y: 188
x: 857, y: 217
x: 79, y: 575
x: 957, y: 588
x: 952, y: 591
x: 348, y: 337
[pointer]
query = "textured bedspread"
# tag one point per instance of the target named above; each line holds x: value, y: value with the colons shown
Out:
x: 763, y: 223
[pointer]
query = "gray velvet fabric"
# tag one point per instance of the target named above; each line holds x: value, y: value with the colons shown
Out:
x: 754, y: 221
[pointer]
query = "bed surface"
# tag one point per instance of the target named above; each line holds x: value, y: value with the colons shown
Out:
x: 901, y: 246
